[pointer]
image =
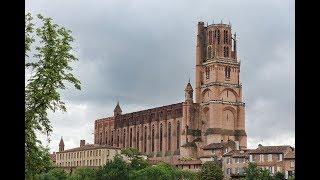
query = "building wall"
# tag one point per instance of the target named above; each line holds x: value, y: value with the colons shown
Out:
x: 233, y: 165
x: 147, y: 127
x: 93, y: 157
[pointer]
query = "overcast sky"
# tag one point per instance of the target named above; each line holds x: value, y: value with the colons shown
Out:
x: 142, y: 52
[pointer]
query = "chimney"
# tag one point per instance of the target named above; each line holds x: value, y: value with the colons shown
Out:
x: 82, y: 143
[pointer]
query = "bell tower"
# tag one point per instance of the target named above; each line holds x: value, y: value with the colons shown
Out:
x: 218, y: 89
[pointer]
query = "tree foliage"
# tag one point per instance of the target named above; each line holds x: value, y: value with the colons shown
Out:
x: 252, y: 172
x: 53, y: 174
x: 279, y: 176
x: 114, y: 170
x: 83, y: 174
x: 130, y: 152
x: 210, y: 170
x: 50, y: 67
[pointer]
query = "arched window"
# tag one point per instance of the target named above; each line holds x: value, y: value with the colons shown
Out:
x: 210, y: 37
x: 160, y: 137
x: 152, y: 138
x: 145, y: 139
x: 124, y: 138
x: 209, y: 52
x: 169, y: 136
x: 138, y: 138
x: 218, y: 37
x: 178, y: 135
x: 130, y: 138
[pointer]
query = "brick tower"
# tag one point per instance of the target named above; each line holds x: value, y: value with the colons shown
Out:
x: 218, y: 89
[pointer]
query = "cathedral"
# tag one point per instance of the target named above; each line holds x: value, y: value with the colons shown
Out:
x: 196, y: 128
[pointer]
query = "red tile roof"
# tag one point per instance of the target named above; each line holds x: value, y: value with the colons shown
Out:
x: 238, y: 153
x: 89, y: 147
x: 270, y: 149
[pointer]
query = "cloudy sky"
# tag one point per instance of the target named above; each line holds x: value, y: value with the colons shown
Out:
x: 142, y: 52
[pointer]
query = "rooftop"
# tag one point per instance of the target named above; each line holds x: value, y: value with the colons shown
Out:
x: 270, y: 149
x: 89, y: 147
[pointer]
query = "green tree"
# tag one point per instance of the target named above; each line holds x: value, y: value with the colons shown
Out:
x: 83, y: 174
x: 114, y: 170
x: 291, y: 178
x: 53, y: 174
x: 138, y: 163
x: 130, y: 152
x: 252, y: 172
x: 279, y: 176
x: 50, y: 69
x: 210, y: 170
x: 161, y: 171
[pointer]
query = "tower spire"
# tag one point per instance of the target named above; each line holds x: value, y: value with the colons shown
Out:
x: 61, y: 145
x: 117, y: 110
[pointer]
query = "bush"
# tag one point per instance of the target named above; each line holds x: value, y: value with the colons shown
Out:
x: 211, y: 171
x: 114, y: 170
x: 161, y: 171
x: 83, y: 174
x: 279, y: 176
x: 151, y: 154
x: 159, y: 154
x: 53, y: 174
x: 168, y: 153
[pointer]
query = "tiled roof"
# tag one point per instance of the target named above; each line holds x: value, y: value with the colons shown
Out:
x: 270, y: 149
x: 238, y: 153
x: 89, y: 147
x: 218, y: 145
x: 290, y: 155
x: 179, y: 162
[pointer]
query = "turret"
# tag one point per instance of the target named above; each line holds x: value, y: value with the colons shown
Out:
x: 61, y: 145
x: 188, y: 92
x: 117, y: 110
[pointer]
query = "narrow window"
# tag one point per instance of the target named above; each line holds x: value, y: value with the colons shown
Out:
x: 178, y: 135
x: 112, y: 138
x: 145, y: 139
x: 209, y: 52
x: 124, y: 138
x: 118, y: 138
x: 207, y: 72
x: 218, y: 38
x: 106, y: 137
x: 169, y: 136
x: 160, y: 137
x: 130, y: 140
x: 152, y: 139
x: 138, y: 138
